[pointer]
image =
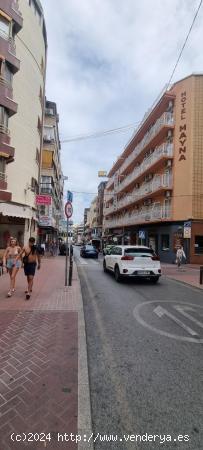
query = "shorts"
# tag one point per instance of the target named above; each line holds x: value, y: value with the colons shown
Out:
x: 29, y: 268
x: 11, y: 263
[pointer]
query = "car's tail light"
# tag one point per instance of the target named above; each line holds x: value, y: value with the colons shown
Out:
x: 155, y: 258
x: 127, y: 258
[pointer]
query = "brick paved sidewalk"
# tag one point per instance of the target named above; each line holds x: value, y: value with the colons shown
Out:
x: 187, y: 273
x: 39, y: 358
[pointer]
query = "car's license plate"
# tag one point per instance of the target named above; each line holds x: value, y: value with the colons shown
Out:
x: 143, y: 272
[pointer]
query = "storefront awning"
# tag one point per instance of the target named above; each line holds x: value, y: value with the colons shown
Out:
x: 11, y: 210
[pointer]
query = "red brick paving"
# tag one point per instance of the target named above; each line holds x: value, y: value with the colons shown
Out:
x: 187, y: 273
x: 39, y: 359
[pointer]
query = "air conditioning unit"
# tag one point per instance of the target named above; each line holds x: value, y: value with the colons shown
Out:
x: 168, y: 194
x: 168, y: 163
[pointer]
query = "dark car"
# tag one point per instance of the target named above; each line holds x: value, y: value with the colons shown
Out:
x: 89, y: 251
x: 62, y: 249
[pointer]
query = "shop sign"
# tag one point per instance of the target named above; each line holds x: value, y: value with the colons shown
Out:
x: 177, y: 240
x: 187, y: 230
x: 45, y: 221
x: 43, y: 200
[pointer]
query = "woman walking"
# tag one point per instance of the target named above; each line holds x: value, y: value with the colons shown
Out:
x: 10, y: 262
x: 180, y: 254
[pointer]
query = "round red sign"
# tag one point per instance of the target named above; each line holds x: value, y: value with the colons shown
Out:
x: 68, y: 210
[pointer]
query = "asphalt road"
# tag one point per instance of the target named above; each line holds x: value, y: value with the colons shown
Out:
x: 145, y: 361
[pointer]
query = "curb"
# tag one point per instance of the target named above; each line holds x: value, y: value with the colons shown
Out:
x: 84, y: 404
x: 185, y: 283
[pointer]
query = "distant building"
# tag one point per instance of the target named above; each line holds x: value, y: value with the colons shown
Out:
x: 154, y: 195
x: 51, y: 180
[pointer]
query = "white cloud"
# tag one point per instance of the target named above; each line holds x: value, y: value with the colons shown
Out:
x: 107, y: 62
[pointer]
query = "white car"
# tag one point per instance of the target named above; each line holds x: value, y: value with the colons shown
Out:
x: 133, y: 261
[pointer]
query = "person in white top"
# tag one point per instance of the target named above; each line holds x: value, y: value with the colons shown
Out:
x: 180, y: 254
x: 9, y: 261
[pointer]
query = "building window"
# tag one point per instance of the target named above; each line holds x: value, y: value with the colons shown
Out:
x: 198, y: 245
x: 4, y: 27
x: 8, y: 74
x: 165, y: 242
x: 37, y: 157
x: 3, y: 118
x: 2, y: 165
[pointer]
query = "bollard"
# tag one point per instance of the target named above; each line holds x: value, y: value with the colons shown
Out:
x: 70, y: 271
x: 201, y: 275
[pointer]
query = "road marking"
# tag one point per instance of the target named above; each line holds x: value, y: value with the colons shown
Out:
x: 183, y: 309
x: 160, y: 312
x: 137, y: 312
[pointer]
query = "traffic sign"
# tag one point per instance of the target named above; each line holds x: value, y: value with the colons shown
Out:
x: 68, y: 210
x: 69, y: 196
x: 141, y: 234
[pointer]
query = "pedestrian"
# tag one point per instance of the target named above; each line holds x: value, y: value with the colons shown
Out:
x: 9, y: 261
x: 31, y: 259
x: 180, y: 254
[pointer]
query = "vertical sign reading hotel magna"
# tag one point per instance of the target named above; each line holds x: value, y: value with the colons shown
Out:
x: 183, y: 128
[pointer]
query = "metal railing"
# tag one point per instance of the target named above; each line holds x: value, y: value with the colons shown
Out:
x: 3, y: 176
x: 166, y: 119
x: 4, y: 129
x: 157, y: 211
x: 159, y: 181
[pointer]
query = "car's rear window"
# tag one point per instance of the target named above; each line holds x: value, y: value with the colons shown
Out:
x: 139, y: 252
x: 90, y: 247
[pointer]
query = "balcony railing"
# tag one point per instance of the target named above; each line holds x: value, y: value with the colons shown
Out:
x: 3, y: 176
x: 159, y: 181
x: 165, y: 119
x: 165, y: 150
x: 4, y: 129
x: 157, y: 211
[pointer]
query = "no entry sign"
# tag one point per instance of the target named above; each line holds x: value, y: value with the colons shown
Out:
x: 68, y: 210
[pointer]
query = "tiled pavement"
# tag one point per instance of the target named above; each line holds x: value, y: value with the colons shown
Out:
x: 187, y: 273
x: 39, y: 359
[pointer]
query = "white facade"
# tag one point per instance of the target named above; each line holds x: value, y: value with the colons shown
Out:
x: 26, y: 125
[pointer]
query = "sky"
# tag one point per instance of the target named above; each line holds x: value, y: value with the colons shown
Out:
x: 108, y: 60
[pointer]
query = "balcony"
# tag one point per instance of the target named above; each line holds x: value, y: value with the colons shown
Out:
x: 8, y: 49
x: 11, y: 8
x: 166, y: 120
x: 165, y: 151
x: 6, y: 96
x: 154, y: 213
x: 158, y: 184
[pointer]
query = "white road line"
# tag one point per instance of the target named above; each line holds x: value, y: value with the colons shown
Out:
x: 159, y: 311
x: 182, y: 310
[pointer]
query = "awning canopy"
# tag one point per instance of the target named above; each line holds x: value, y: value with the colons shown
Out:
x: 12, y: 210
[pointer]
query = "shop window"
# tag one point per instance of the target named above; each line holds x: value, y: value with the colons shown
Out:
x: 165, y: 242
x: 198, y: 245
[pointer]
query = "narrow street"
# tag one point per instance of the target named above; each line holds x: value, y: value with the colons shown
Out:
x: 144, y: 349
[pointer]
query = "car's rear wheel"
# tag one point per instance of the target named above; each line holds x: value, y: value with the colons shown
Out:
x: 117, y: 274
x: 104, y: 266
x: 154, y: 280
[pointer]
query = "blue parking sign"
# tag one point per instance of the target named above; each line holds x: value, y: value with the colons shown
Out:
x: 69, y: 196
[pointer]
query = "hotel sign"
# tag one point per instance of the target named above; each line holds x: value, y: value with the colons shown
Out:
x: 183, y: 128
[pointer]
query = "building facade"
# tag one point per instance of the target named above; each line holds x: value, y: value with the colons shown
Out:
x: 19, y: 212
x: 154, y: 195
x: 11, y: 23
x: 51, y: 179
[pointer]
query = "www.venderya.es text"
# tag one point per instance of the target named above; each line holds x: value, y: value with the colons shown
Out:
x: 160, y: 439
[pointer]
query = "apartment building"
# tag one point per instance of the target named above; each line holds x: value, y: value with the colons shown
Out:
x: 11, y: 23
x: 154, y: 194
x: 51, y: 179
x: 18, y: 209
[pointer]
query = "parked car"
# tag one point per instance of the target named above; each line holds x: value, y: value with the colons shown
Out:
x: 132, y: 261
x: 107, y: 248
x: 89, y: 251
